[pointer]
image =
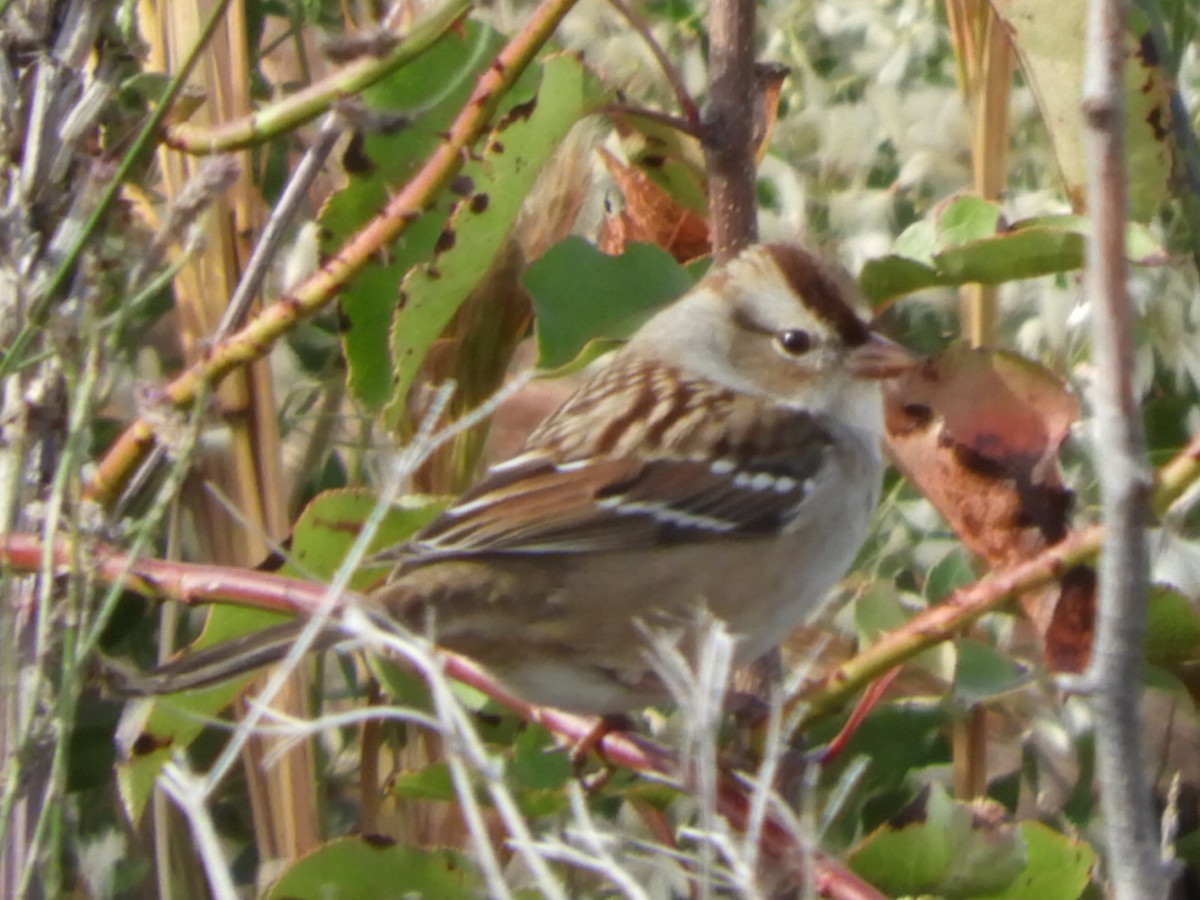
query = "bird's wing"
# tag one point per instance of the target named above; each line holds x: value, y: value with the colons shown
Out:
x: 540, y: 502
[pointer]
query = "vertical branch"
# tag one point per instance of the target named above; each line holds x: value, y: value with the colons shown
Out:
x: 1115, y: 673
x: 729, y: 127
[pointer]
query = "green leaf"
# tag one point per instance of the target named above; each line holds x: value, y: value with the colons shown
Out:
x: 515, y: 153
x: 1056, y: 866
x: 965, y: 242
x: 582, y: 295
x: 331, y: 523
x: 959, y: 850
x: 879, y: 610
x: 896, y: 741
x: 320, y: 540
x: 948, y: 574
x: 1172, y: 627
x: 433, y: 782
x: 536, y: 763
x: 983, y: 673
x: 373, y: 868
x: 967, y: 219
x: 1049, y: 39
x: 163, y: 726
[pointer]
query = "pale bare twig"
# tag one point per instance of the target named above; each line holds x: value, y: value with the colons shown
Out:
x: 277, y: 224
x: 1114, y: 676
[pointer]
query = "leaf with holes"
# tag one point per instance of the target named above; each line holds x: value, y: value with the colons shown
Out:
x: 432, y: 92
x: 499, y: 180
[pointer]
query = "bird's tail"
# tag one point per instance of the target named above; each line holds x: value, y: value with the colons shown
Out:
x: 220, y: 662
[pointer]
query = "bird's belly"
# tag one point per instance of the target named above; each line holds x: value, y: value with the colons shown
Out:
x: 594, y: 657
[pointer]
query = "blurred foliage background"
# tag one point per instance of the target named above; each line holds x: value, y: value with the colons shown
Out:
x: 160, y: 159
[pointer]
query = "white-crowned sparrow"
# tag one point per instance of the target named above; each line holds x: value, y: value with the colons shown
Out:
x: 727, y: 457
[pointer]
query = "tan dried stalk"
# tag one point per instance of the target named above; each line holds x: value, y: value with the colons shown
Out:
x: 245, y: 470
x: 985, y: 71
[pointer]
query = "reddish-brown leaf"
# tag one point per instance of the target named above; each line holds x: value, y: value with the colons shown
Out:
x: 978, y: 432
x: 651, y: 215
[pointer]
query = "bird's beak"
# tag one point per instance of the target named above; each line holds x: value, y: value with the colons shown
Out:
x: 879, y: 358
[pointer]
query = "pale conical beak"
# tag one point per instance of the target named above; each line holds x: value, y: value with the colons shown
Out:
x: 879, y: 358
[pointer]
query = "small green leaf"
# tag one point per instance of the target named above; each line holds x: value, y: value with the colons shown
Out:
x: 948, y: 574
x: 536, y: 764
x: 1172, y: 627
x: 430, y: 783
x: 962, y: 244
x: 331, y: 523
x: 582, y: 295
x: 320, y: 540
x: 967, y: 219
x: 373, y: 868
x: 895, y: 740
x: 983, y: 673
x: 895, y: 275
x: 880, y: 610
x: 165, y: 725
x: 918, y: 242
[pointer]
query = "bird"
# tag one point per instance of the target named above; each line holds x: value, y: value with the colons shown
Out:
x: 727, y: 458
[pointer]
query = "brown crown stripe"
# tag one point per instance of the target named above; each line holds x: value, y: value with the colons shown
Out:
x: 808, y: 279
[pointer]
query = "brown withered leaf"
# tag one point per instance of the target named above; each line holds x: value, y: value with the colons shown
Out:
x: 978, y: 432
x: 768, y: 79
x: 652, y: 216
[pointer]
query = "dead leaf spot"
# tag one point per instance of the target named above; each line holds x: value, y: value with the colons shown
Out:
x: 519, y: 112
x: 146, y: 744
x: 462, y: 185
x: 355, y: 160
x: 445, y: 240
x: 378, y: 841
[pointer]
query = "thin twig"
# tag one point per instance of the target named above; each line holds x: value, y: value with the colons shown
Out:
x: 686, y: 104
x: 695, y: 130
x: 1114, y: 676
x: 277, y: 225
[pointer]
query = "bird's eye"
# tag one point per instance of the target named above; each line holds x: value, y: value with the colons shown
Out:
x: 795, y: 341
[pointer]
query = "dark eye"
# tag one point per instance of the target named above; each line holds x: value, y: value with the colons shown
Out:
x: 795, y: 341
